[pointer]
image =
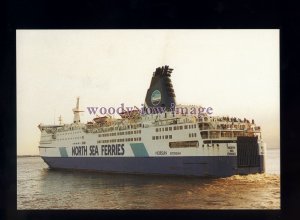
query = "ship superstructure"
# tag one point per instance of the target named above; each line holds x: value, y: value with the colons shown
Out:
x: 151, y: 142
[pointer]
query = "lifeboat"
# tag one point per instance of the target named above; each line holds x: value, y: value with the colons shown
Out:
x: 130, y: 114
x: 100, y: 120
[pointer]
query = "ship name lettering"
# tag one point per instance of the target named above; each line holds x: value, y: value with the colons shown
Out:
x: 112, y: 149
x: 94, y: 150
x: 231, y: 154
x: 175, y: 153
x: 79, y: 151
x: 160, y: 152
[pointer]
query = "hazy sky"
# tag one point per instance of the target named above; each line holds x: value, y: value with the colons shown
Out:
x: 236, y: 72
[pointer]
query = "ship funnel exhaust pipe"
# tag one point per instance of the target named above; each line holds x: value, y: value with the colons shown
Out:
x: 161, y: 92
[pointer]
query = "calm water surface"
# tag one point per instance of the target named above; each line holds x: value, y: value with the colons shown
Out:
x: 41, y: 188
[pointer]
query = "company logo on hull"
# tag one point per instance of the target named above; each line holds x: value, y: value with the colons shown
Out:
x: 156, y: 97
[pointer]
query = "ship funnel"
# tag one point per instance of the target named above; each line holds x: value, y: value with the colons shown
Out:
x: 161, y: 92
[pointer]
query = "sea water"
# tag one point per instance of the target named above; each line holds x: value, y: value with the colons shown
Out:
x: 39, y: 187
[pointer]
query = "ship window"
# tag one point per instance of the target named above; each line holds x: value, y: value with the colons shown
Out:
x: 166, y: 136
x: 159, y: 129
x: 182, y: 144
x: 194, y: 126
x: 162, y: 129
x: 131, y: 139
x: 153, y: 137
x: 204, y: 134
x: 181, y: 127
x: 202, y: 145
x: 185, y: 127
x: 170, y: 136
x: 174, y: 128
x: 189, y: 135
x: 156, y: 137
x: 163, y: 137
x: 166, y: 129
x: 170, y: 128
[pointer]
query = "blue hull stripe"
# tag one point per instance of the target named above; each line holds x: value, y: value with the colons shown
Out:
x: 194, y: 166
x: 139, y: 150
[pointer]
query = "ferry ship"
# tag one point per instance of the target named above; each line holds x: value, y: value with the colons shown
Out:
x: 169, y: 143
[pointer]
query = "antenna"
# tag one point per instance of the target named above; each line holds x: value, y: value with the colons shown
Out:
x: 60, y: 120
x: 54, y: 118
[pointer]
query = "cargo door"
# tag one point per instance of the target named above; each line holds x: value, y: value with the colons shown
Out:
x: 247, y: 152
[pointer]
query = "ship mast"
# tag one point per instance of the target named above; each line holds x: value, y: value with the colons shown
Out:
x: 76, y: 112
x: 60, y: 120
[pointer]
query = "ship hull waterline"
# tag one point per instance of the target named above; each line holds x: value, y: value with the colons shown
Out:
x: 204, y: 166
